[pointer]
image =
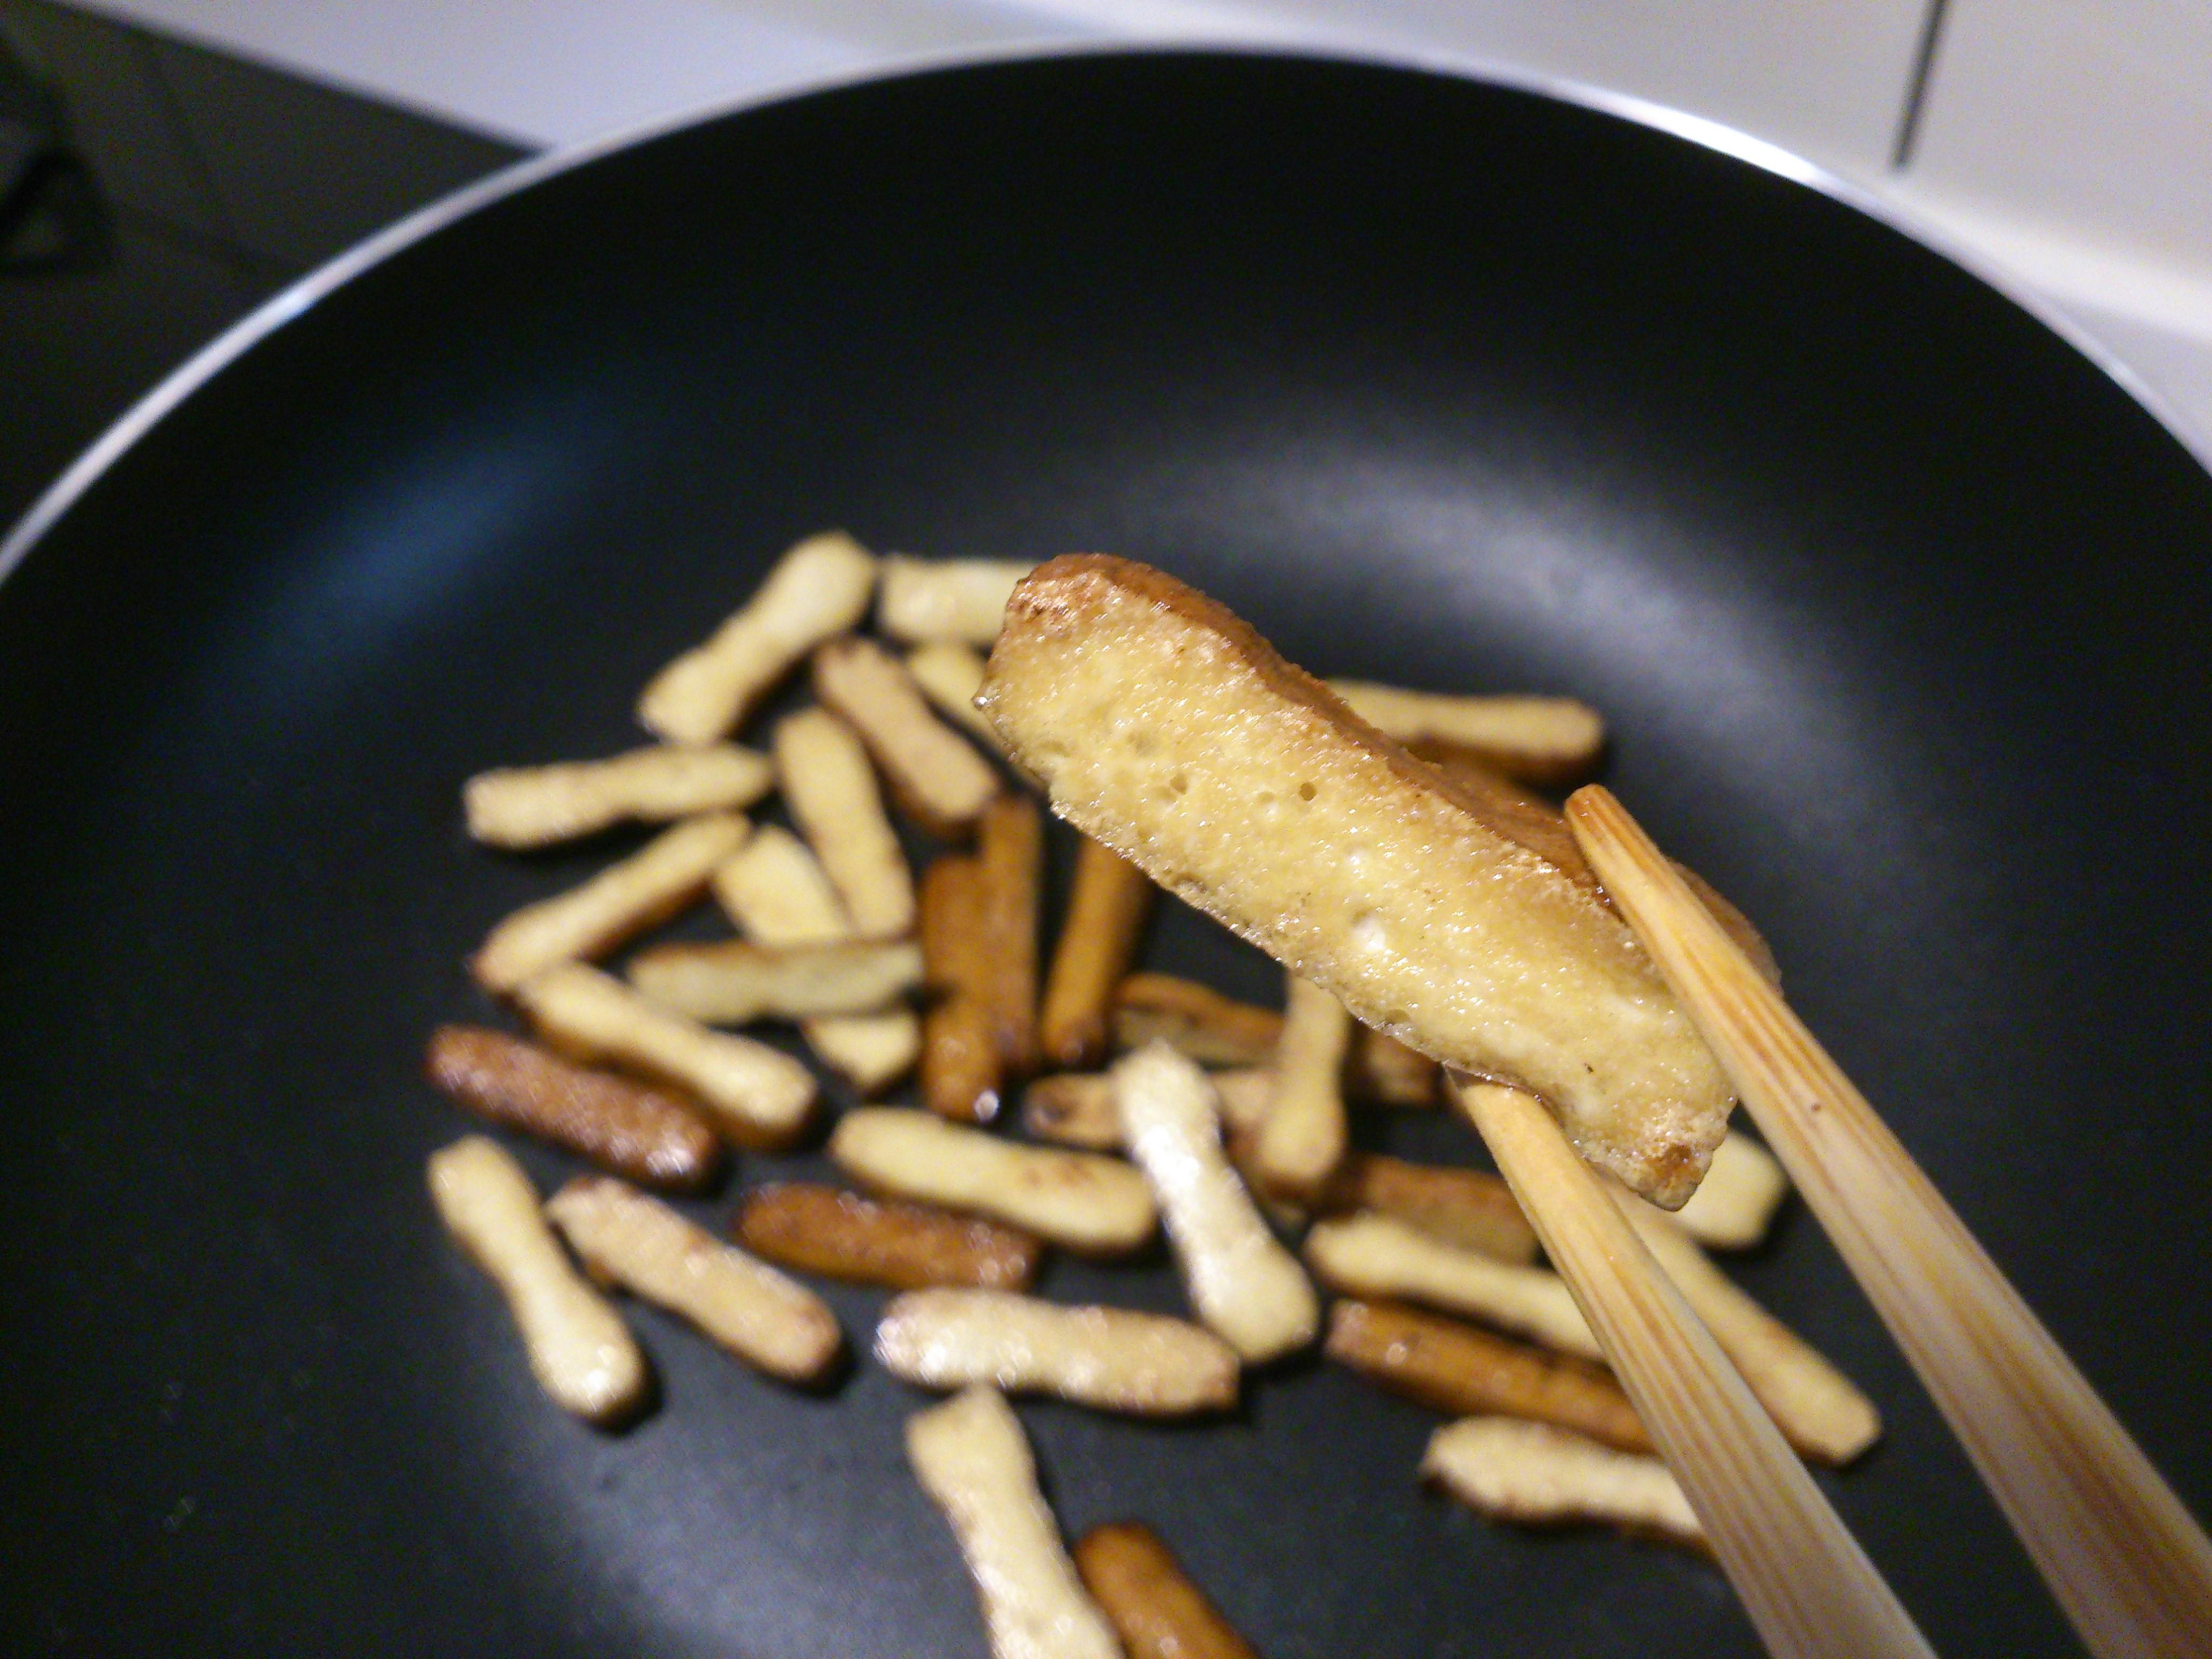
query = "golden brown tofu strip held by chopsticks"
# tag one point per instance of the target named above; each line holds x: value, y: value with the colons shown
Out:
x: 526, y: 806
x: 906, y: 1247
x: 646, y: 1134
x: 820, y: 588
x: 1471, y: 1373
x: 1160, y: 1612
x: 1107, y: 909
x: 1166, y: 727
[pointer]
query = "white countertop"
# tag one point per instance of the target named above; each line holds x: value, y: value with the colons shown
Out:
x: 2067, y: 143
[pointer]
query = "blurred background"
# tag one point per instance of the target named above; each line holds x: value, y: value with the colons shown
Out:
x: 165, y: 165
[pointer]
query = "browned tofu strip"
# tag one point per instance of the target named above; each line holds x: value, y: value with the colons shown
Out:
x: 1010, y: 860
x: 1470, y: 1373
x: 963, y: 1070
x: 1195, y: 1019
x: 875, y: 1241
x: 647, y: 1134
x: 1107, y: 909
x: 1471, y: 1208
x: 1151, y: 1599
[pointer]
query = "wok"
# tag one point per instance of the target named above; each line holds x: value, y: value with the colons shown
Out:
x: 1893, y: 598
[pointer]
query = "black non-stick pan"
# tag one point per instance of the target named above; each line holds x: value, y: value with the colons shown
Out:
x: 1895, y: 600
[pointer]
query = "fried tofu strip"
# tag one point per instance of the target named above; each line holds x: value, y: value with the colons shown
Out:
x: 1376, y: 1257
x: 1543, y: 740
x: 1167, y: 728
x: 935, y: 775
x: 1302, y: 1139
x: 1470, y: 1208
x: 1470, y: 1373
x: 758, y: 1096
x: 1819, y: 1410
x: 778, y: 895
x: 1246, y: 1287
x: 1110, y: 1358
x: 735, y: 981
x: 928, y: 601
x: 647, y: 1134
x: 1010, y: 860
x: 950, y: 675
x: 743, y: 1306
x: 1387, y: 1072
x: 1092, y: 1204
x: 1073, y: 1109
x: 1196, y: 1020
x: 1734, y: 1204
x: 963, y: 1070
x: 623, y: 900
x: 973, y: 1460
x: 1151, y: 1599
x: 1078, y: 1108
x: 1107, y: 906
x: 777, y: 892
x: 906, y: 1247
x: 580, y: 1352
x: 1218, y: 1030
x: 819, y: 589
x: 526, y: 806
x: 830, y: 788
x: 1537, y: 1475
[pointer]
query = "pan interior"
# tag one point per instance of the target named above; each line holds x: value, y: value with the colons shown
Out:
x: 1892, y: 602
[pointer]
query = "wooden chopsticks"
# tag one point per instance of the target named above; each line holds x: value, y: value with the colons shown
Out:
x: 1807, y: 1584
x: 2129, y: 1565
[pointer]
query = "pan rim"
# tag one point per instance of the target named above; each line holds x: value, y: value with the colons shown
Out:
x: 300, y: 296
